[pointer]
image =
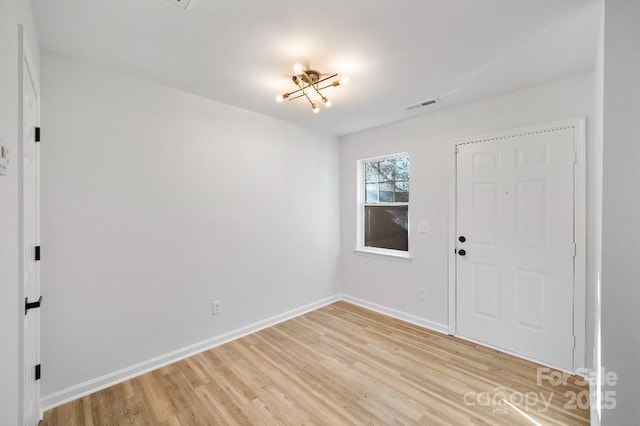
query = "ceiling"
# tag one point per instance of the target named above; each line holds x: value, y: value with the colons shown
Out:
x: 397, y: 52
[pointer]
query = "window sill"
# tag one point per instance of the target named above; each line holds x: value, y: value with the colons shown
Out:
x: 395, y: 255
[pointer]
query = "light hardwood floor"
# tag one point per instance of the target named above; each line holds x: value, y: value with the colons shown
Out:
x: 340, y: 364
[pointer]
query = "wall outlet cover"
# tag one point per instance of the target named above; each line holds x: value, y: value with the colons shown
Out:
x: 422, y: 293
x: 4, y: 158
x: 182, y: 4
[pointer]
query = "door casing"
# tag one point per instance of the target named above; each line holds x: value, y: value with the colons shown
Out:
x: 26, y: 65
x: 579, y: 223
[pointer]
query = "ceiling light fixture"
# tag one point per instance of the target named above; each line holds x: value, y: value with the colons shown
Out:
x: 311, y: 83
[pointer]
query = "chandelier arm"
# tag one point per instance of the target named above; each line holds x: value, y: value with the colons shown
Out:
x: 294, y: 92
x: 321, y: 88
x: 317, y: 87
x: 305, y: 94
x: 327, y: 86
x: 295, y: 97
x: 310, y: 83
x: 326, y: 78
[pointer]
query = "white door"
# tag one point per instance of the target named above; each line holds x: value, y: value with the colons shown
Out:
x: 30, y: 216
x: 515, y: 244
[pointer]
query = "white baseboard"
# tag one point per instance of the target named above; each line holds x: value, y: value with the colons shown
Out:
x: 78, y: 391
x: 593, y: 393
x: 421, y: 322
x: 86, y: 388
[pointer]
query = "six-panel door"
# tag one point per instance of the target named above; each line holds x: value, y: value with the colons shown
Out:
x: 515, y: 211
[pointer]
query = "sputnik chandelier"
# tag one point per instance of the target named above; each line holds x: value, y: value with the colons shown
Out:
x: 310, y: 85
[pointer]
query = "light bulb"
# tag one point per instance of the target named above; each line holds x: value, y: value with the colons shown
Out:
x: 327, y: 102
x: 315, y: 108
x: 345, y: 80
x: 297, y: 68
x: 279, y: 98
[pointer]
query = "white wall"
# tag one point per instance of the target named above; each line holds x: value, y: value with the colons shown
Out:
x: 426, y: 138
x: 12, y: 13
x: 156, y: 202
x: 621, y: 209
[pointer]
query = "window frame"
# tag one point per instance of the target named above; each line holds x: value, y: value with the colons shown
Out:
x: 362, y: 204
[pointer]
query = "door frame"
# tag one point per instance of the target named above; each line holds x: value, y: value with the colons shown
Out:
x: 579, y: 225
x: 25, y: 59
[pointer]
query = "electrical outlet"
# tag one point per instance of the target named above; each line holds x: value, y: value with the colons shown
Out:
x: 4, y: 158
x: 216, y: 307
x: 422, y: 293
x: 182, y: 4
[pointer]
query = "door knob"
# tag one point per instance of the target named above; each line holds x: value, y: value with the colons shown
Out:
x: 462, y: 239
x: 461, y: 252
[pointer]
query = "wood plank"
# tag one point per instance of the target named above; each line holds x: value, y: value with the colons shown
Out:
x: 341, y: 364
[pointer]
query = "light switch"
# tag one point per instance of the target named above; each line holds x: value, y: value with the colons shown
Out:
x: 4, y: 158
x: 423, y: 226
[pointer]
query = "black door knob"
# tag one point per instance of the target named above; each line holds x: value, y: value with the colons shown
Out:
x: 462, y: 239
x: 461, y: 252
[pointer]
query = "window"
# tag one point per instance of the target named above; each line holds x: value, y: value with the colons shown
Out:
x: 384, y: 204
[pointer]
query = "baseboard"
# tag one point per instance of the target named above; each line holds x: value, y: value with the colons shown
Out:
x: 421, y: 322
x: 78, y: 391
x: 593, y: 393
x: 86, y: 388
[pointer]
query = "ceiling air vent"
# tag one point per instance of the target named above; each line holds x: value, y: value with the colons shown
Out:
x: 182, y: 4
x: 422, y: 104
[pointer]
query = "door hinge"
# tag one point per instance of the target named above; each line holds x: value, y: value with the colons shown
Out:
x: 38, y: 372
x: 575, y: 249
x: 37, y: 134
x: 31, y: 305
x: 573, y: 341
x: 37, y: 254
x: 575, y: 156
